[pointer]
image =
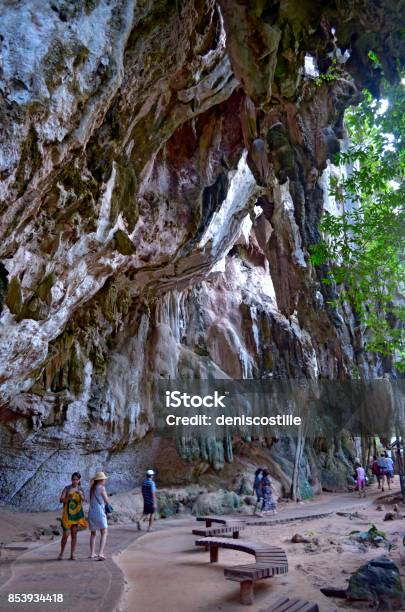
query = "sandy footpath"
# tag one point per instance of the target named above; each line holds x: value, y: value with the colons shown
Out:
x: 165, y: 570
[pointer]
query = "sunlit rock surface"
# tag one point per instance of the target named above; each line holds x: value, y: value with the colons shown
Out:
x: 163, y: 168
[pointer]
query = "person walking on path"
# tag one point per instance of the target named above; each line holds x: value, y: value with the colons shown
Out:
x: 390, y: 467
x: 361, y: 480
x: 257, y: 488
x: 72, y: 498
x: 375, y: 469
x: 384, y: 471
x: 268, y: 503
x: 97, y: 516
x: 149, y: 500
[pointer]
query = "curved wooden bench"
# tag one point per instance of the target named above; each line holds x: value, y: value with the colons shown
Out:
x: 270, y: 561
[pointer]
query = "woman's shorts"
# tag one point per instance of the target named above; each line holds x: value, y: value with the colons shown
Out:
x: 361, y: 483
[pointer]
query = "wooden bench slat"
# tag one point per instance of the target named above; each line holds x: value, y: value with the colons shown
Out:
x: 273, y: 561
x: 256, y: 547
x: 281, y: 561
x: 238, y: 576
x: 213, y: 531
x: 274, y: 556
x: 302, y: 607
x: 294, y: 604
x: 240, y: 573
x: 222, y: 521
x: 298, y: 607
x: 234, y: 571
x: 285, y: 604
x: 278, y: 604
x: 251, y: 564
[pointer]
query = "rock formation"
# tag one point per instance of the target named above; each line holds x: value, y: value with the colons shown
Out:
x: 164, y: 165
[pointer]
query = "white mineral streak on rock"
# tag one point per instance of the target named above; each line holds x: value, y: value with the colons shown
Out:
x: 255, y: 329
x: 27, y: 264
x: 105, y: 208
x: 209, y: 85
x: 245, y: 362
x: 245, y: 228
x: 22, y: 346
x: 215, y: 65
x: 314, y: 363
x: 329, y: 201
x: 265, y: 285
x: 124, y: 374
x: 306, y: 342
x: 213, y: 53
x: 310, y: 66
x: 241, y: 189
x: 170, y: 311
x: 285, y: 208
x: 220, y: 266
x: 77, y: 409
x: 57, y: 292
x: 256, y: 281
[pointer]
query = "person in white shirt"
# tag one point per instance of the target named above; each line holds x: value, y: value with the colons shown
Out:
x: 390, y: 467
x: 361, y: 480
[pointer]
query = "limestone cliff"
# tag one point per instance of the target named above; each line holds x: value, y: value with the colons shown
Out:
x: 163, y: 168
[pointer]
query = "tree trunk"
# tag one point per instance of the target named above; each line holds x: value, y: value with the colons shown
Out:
x: 295, y: 489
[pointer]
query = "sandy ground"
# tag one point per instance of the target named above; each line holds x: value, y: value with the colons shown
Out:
x: 16, y: 526
x: 165, y: 570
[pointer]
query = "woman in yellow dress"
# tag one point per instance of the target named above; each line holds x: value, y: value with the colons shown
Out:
x: 72, y: 498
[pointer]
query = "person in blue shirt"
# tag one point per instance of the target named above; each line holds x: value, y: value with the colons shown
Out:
x: 149, y: 500
x: 384, y: 466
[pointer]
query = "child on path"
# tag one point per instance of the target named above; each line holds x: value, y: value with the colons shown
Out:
x: 269, y: 504
x: 361, y: 480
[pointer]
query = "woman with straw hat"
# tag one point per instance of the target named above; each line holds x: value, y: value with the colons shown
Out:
x: 97, y: 517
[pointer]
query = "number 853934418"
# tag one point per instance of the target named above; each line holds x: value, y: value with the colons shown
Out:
x: 35, y: 598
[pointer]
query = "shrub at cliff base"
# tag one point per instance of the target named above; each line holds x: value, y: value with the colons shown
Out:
x: 220, y: 502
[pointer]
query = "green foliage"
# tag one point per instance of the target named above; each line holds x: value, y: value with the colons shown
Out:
x: 373, y: 536
x: 365, y: 245
x: 331, y: 74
